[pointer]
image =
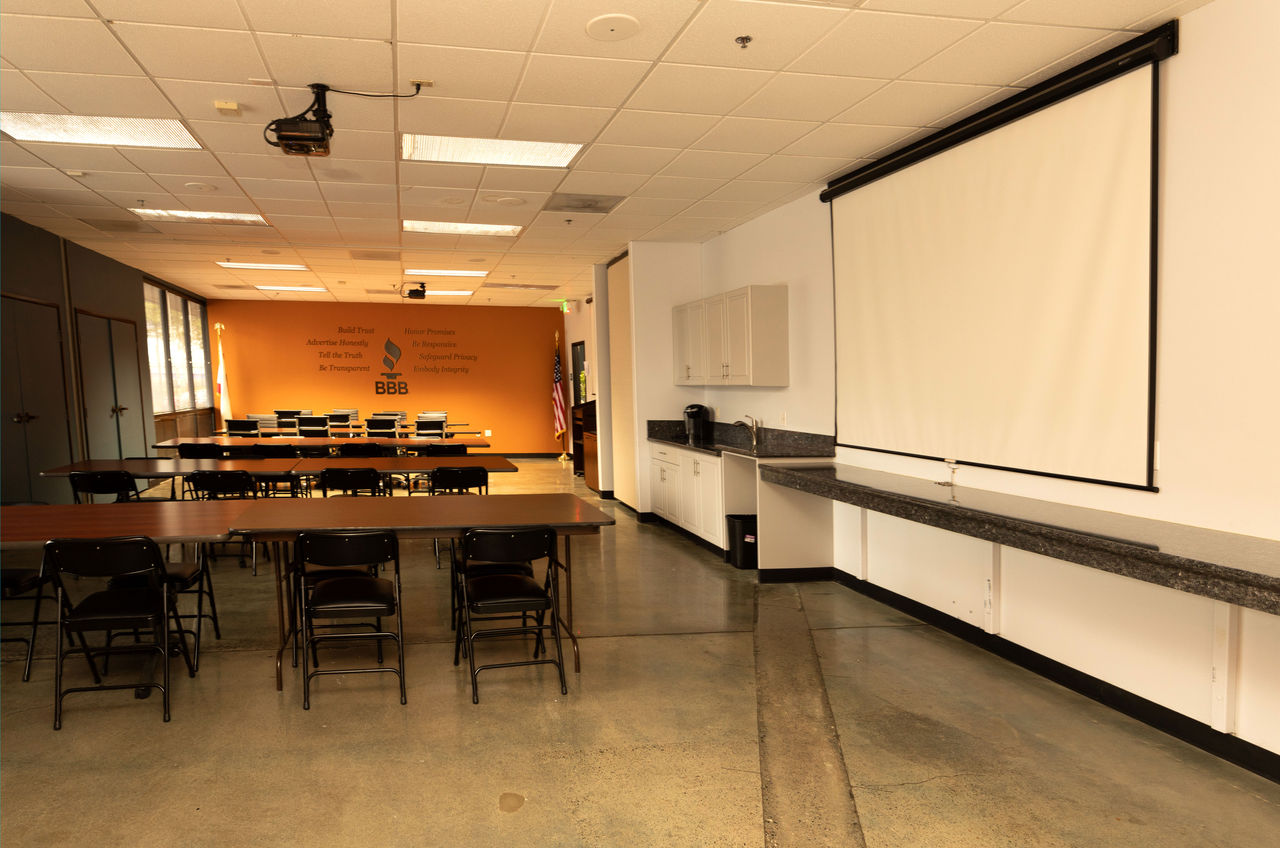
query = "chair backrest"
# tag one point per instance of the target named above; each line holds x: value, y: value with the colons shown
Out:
x: 354, y: 414
x: 459, y: 480
x: 355, y: 547
x: 287, y: 417
x: 314, y: 432
x: 217, y: 485
x: 428, y: 427
x: 200, y: 450
x: 118, y: 483
x: 432, y: 414
x: 446, y: 449
x: 364, y: 449
x: 515, y: 544
x: 351, y: 481
x: 313, y: 421
x: 385, y: 427
x: 243, y: 452
x: 242, y: 427
x: 275, y: 451
x: 264, y: 419
x: 339, y: 418
x: 397, y: 414
x: 114, y: 557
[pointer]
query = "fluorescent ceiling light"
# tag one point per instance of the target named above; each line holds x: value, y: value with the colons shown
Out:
x: 421, y: 272
x: 186, y: 215
x: 487, y: 151
x: 91, y: 129
x: 263, y: 266
x: 292, y: 288
x: 436, y: 292
x: 454, y: 229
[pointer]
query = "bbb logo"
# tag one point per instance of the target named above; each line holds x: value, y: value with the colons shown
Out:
x: 390, y: 386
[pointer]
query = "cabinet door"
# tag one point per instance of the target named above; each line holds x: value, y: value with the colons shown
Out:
x: 737, y: 338
x: 710, y: 496
x: 714, y: 317
x: 682, y: 353
x: 690, y: 505
x: 664, y: 489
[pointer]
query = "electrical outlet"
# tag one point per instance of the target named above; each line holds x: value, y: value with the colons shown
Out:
x: 488, y: 433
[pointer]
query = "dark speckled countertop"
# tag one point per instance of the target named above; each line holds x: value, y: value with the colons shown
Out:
x: 1229, y: 567
x: 733, y: 439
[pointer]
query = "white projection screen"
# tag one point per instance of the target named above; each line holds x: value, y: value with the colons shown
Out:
x: 994, y: 302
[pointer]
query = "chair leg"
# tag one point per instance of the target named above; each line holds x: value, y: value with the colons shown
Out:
x: 35, y: 626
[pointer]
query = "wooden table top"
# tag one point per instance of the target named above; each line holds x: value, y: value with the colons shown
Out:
x: 30, y: 526
x: 443, y: 515
x: 159, y: 467
x: 241, y: 441
x: 404, y: 464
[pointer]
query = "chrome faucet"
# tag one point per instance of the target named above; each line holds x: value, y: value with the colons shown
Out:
x: 752, y: 426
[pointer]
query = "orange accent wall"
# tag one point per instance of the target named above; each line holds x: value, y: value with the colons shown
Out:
x: 490, y: 367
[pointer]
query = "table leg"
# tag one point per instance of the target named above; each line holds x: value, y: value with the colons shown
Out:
x: 285, y: 633
x: 566, y: 621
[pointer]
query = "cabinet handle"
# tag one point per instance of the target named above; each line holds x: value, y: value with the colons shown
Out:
x: 687, y: 373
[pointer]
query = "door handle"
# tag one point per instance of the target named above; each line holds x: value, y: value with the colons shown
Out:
x: 17, y: 418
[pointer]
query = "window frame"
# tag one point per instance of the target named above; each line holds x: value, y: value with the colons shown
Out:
x: 198, y: 389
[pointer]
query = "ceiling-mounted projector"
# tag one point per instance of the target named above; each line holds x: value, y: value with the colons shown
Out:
x: 302, y: 135
x: 420, y: 293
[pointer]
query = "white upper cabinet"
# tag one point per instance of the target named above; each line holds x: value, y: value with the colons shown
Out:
x: 738, y: 338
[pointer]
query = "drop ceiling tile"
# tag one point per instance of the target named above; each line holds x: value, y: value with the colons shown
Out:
x: 273, y: 207
x: 261, y: 167
x: 461, y: 118
x: 722, y: 209
x: 102, y: 213
x: 177, y: 184
x: 19, y: 94
x: 876, y: 44
x: 656, y: 129
x: 194, y: 99
x: 350, y: 63
x: 462, y: 72
x: 1111, y: 39
x: 579, y: 81
x: 983, y: 9
x: 226, y: 137
x: 695, y: 89
x: 756, y: 191
x: 60, y: 8
x: 99, y: 94
x: 510, y: 179
x: 664, y: 206
x: 977, y: 106
x: 627, y: 160
x: 1000, y: 53
x: 849, y: 140
x: 215, y: 203
x: 487, y: 213
x: 13, y: 153
x: 679, y: 187
x: 189, y: 163
x: 706, y: 163
x: 320, y: 17
x: 59, y: 195
x: 302, y: 222
x: 796, y: 168
x: 565, y: 30
x: 63, y: 44
x: 191, y: 53
x: 371, y: 211
x: 806, y: 97
x: 779, y: 33
x: 538, y: 122
x: 627, y: 220
x: 1105, y: 14
x: 1169, y: 13
x: 359, y: 193
x: 753, y: 135
x: 110, y: 181
x: 601, y: 182
x: 496, y: 24
x: 515, y: 200
x: 352, y: 171
x: 79, y: 157
x: 358, y: 144
x: 349, y: 112
x: 220, y: 14
x: 429, y: 240
x: 415, y: 177
x: 914, y: 104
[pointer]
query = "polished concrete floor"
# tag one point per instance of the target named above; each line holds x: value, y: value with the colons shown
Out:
x: 709, y: 711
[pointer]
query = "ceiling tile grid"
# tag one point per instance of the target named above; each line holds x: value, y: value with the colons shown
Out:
x: 699, y: 114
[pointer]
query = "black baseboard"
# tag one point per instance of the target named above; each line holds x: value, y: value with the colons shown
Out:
x: 1230, y: 748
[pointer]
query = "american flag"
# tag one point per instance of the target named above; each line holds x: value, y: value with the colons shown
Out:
x: 557, y: 399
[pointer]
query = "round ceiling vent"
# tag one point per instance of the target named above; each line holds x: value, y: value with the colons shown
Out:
x: 615, y: 27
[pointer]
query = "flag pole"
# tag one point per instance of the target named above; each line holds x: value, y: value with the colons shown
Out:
x: 558, y: 402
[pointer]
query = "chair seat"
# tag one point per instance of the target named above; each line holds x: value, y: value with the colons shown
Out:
x: 352, y: 596
x: 505, y: 593
x: 114, y: 609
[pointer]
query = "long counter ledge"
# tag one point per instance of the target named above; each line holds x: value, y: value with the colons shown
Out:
x: 1228, y: 567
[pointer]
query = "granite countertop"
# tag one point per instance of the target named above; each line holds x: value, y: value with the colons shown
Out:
x: 737, y: 440
x: 1225, y: 566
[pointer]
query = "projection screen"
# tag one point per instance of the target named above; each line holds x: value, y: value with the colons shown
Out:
x: 994, y: 301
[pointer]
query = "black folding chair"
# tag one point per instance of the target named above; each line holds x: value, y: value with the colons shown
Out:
x: 118, y: 484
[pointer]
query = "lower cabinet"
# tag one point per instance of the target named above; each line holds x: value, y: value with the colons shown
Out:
x: 685, y: 488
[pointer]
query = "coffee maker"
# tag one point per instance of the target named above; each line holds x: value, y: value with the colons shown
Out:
x: 699, y: 424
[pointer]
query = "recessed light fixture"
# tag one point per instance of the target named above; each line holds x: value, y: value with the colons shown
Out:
x: 188, y: 216
x: 292, y: 288
x: 487, y: 151
x: 427, y: 272
x: 453, y: 228
x: 264, y: 266
x: 93, y: 129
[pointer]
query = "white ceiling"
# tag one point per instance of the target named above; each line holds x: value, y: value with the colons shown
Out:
x: 696, y: 133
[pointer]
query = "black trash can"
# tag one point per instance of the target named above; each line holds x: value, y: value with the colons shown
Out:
x: 742, y: 540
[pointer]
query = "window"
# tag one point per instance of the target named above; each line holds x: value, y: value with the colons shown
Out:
x: 177, y: 351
